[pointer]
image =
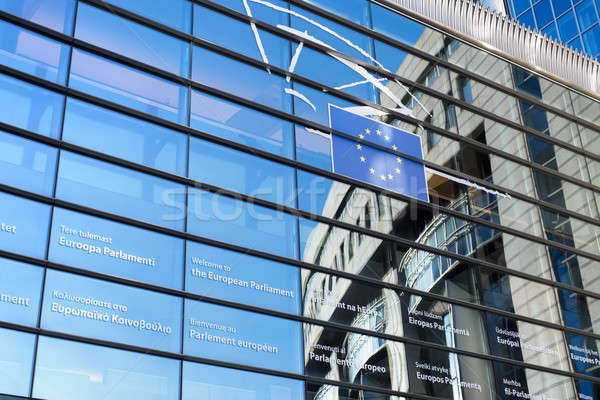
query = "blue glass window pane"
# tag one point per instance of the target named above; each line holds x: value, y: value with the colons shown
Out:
x: 591, y: 39
x: 104, y: 310
x: 313, y: 147
x: 209, y: 382
x: 543, y: 13
x: 224, y: 73
x: 522, y: 5
x: 16, y: 362
x: 101, y: 373
x: 586, y: 14
x: 576, y: 43
x: 30, y: 107
x: 54, y: 14
x: 244, y: 125
x: 320, y: 100
x: 132, y: 88
x: 241, y: 172
x: 354, y: 10
x: 125, y: 137
x: 314, y: 190
x: 391, y: 57
x: 125, y: 251
x: 232, y: 335
x: 396, y: 26
x: 233, y: 221
x: 34, y: 54
x: 551, y: 31
x: 27, y: 164
x: 567, y: 26
x: 119, y: 190
x: 23, y: 225
x: 259, y: 11
x: 527, y: 19
x: 20, y: 292
x: 329, y: 71
x: 225, y: 274
x: 174, y: 13
x: 132, y: 40
x: 238, y: 36
x: 560, y: 6
x: 358, y: 39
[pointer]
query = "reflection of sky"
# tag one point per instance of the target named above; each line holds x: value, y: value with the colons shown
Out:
x: 210, y: 382
x: 396, y: 26
x: 16, y: 362
x: 101, y: 373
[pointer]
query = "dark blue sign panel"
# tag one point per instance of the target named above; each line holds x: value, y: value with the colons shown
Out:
x: 20, y: 292
x: 229, y: 275
x: 243, y: 337
x: 105, y: 310
x: 116, y: 249
x: 355, y: 159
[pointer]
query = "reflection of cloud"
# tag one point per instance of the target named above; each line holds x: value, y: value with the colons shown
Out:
x: 355, y: 67
x: 261, y: 48
x: 301, y: 97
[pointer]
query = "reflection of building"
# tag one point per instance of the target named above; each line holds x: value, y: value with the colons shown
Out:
x: 451, y: 278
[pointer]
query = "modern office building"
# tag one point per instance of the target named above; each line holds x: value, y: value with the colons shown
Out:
x: 574, y: 22
x: 172, y: 225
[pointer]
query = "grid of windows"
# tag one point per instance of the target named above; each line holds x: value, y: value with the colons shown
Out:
x: 574, y: 22
x: 172, y: 228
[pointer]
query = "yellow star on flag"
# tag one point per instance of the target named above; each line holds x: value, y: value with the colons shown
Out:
x: 398, y: 159
x: 390, y: 176
x: 394, y: 147
x: 362, y: 159
x: 397, y: 170
x: 387, y: 137
x: 361, y: 136
x: 368, y: 131
x: 382, y: 177
x: 359, y: 147
x: 372, y: 171
x: 378, y: 132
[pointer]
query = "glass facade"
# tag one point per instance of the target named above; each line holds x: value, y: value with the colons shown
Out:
x: 172, y: 225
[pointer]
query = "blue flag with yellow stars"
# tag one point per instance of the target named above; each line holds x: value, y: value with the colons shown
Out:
x: 355, y: 159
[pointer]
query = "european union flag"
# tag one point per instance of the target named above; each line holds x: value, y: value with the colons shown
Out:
x: 356, y: 160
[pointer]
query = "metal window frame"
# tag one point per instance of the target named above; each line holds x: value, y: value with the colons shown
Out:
x: 66, y: 146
